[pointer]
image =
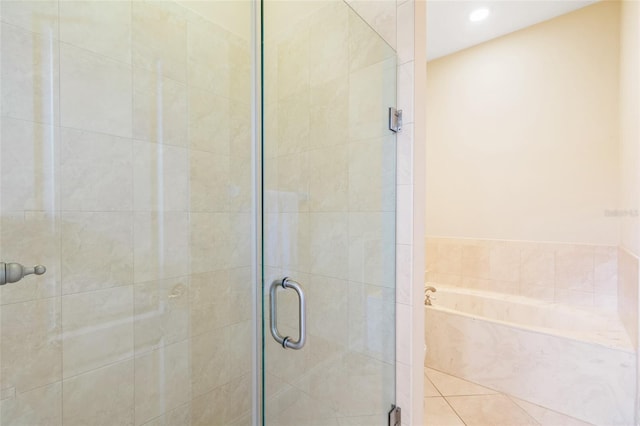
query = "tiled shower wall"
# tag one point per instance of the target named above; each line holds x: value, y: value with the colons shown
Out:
x: 126, y: 171
x: 573, y: 274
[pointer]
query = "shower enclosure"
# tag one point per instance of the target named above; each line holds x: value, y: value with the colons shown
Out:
x: 169, y: 164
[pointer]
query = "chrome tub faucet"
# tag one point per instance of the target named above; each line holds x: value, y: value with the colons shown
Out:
x: 427, y: 294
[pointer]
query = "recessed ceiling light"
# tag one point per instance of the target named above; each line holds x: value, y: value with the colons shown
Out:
x: 479, y: 14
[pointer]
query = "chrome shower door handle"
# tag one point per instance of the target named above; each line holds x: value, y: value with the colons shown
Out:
x: 14, y: 272
x: 287, y: 342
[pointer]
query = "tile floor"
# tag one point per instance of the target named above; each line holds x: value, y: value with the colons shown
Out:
x: 451, y: 401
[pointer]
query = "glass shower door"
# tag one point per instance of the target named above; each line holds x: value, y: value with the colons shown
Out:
x: 328, y: 217
x: 126, y: 170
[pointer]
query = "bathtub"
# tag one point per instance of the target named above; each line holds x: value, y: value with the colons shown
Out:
x: 577, y: 362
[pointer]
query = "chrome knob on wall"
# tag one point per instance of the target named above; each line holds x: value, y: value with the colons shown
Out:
x: 427, y: 296
x: 14, y: 272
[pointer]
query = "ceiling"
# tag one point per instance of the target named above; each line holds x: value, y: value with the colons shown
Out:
x: 449, y: 29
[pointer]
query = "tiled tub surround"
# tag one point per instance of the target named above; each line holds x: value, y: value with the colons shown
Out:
x: 572, y: 274
x: 517, y: 298
x: 120, y: 125
x: 567, y: 359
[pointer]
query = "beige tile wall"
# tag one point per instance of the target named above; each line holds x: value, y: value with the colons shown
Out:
x: 126, y: 170
x: 574, y: 274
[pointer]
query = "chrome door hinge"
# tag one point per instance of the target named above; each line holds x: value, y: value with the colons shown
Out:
x: 395, y: 416
x: 395, y: 119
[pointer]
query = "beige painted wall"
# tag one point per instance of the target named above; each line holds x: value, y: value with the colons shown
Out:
x: 522, y: 134
x: 630, y: 123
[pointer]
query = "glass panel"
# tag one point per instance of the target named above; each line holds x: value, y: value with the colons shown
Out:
x: 329, y: 214
x: 126, y: 170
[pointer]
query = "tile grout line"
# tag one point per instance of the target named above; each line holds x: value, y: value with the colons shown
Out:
x: 443, y: 397
x: 432, y: 384
x: 454, y: 411
x: 510, y: 398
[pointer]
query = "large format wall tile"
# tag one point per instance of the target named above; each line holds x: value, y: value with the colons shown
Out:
x: 160, y: 245
x: 102, y: 397
x: 98, y: 329
x: 292, y: 61
x: 180, y: 416
x: 371, y: 248
x: 240, y: 239
x: 372, y: 158
x: 293, y: 123
x: 159, y: 40
x: 574, y: 268
x: 242, y: 290
x: 504, y: 264
x: 29, y: 166
x: 209, y: 301
x: 328, y: 101
x: 96, y: 250
x: 30, y: 75
x: 95, y: 92
x: 537, y: 267
x: 38, y: 16
x: 40, y: 406
x: 365, y: 50
x: 293, y: 183
x: 367, y: 391
x: 329, y: 44
x: 161, y: 313
x: 160, y: 177
x: 209, y: 116
x: 225, y: 405
x: 209, y: 56
x: 381, y: 15
x: 103, y: 28
x: 328, y: 174
x: 159, y: 108
x: 210, y: 359
x: 240, y: 362
x: 162, y: 381
x: 575, y: 274
x: 240, y: 60
x: 329, y: 244
x: 209, y: 181
x: 95, y: 171
x: 372, y: 315
x: 331, y: 311
x: 210, y: 235
x: 31, y: 352
x: 369, y: 111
